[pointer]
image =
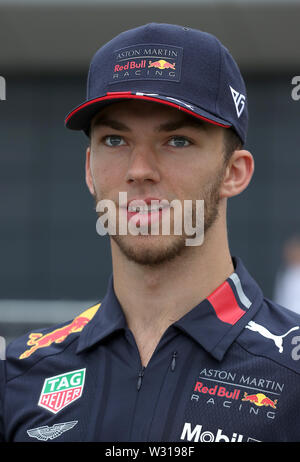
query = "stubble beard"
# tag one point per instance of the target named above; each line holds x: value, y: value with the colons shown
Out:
x: 152, y: 251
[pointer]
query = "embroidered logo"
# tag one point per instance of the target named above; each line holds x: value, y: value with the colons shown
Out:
x: 147, y: 62
x: 277, y: 339
x: 260, y: 399
x: 239, y: 101
x: 61, y: 390
x: 162, y: 64
x: 38, y: 340
x: 49, y: 433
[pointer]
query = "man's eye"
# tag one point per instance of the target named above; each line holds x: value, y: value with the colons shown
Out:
x: 179, y: 142
x: 113, y: 140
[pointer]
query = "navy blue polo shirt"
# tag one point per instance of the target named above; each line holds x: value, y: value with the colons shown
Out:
x: 227, y: 371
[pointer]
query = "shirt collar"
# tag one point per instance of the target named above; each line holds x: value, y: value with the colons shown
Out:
x: 217, y: 321
x: 108, y: 319
x: 214, y: 323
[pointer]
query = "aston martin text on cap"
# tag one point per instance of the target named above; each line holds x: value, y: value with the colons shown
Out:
x: 169, y: 64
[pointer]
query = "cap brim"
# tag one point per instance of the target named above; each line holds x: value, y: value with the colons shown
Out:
x: 80, y: 117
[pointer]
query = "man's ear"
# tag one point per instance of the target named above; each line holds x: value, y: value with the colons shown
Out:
x: 88, y: 172
x: 238, y: 173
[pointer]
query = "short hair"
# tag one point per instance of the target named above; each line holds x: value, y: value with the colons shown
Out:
x: 232, y: 142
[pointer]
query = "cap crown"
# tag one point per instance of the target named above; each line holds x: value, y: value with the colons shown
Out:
x: 175, y: 61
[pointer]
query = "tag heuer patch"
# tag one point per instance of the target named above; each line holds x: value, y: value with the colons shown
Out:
x: 61, y: 390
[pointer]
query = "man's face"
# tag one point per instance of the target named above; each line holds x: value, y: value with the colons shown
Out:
x: 149, y: 150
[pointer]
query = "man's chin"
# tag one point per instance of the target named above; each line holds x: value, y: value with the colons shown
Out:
x: 150, y: 250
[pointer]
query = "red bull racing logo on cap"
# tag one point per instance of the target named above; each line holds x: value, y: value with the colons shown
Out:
x: 162, y: 64
x: 147, y: 62
x: 38, y: 340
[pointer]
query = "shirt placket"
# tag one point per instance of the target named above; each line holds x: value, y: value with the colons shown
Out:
x: 150, y: 381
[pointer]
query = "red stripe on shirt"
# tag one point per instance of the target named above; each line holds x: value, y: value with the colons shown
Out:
x: 225, y: 304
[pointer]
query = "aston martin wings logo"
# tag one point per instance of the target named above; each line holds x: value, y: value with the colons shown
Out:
x: 49, y: 433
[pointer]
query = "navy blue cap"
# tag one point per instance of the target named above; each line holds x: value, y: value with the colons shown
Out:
x: 169, y: 64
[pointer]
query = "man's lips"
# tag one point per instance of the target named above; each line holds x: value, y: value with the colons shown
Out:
x: 139, y: 203
x: 144, y: 205
x: 146, y: 210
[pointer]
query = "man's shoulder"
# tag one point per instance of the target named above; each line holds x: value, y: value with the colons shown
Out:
x: 25, y: 351
x: 274, y: 333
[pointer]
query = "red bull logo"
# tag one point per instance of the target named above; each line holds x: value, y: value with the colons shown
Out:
x: 217, y: 391
x: 147, y: 62
x: 38, y: 340
x: 260, y: 400
x: 161, y: 64
x: 130, y: 65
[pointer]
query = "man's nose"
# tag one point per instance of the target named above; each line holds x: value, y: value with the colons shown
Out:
x: 142, y: 165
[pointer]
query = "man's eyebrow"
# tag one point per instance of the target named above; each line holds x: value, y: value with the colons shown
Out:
x: 115, y: 124
x: 171, y: 126
x: 165, y: 127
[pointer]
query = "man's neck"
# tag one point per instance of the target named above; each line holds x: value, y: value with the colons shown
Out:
x: 153, y: 299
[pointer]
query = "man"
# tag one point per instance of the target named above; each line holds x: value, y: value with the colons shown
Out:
x: 183, y: 347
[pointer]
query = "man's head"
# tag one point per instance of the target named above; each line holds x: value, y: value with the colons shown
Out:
x: 166, y: 112
x: 152, y: 151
